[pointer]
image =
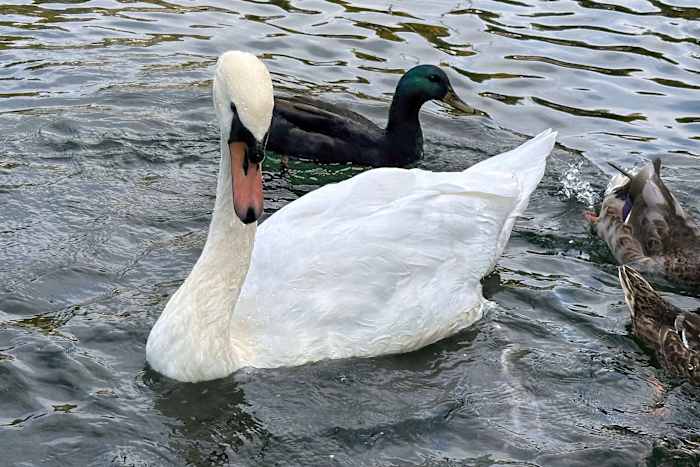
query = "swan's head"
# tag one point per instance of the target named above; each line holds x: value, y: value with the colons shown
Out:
x: 243, y: 101
x: 427, y: 82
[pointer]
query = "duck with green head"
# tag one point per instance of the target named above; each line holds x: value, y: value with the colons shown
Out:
x: 310, y: 129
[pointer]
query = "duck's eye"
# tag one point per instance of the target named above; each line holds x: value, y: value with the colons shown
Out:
x: 434, y: 78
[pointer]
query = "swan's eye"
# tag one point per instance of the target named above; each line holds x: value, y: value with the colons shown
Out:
x: 233, y: 109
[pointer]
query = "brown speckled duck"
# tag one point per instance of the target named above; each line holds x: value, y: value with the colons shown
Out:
x: 645, y: 227
x: 674, y: 334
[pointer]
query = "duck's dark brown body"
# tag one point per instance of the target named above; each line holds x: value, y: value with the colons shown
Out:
x: 310, y: 129
x: 672, y: 333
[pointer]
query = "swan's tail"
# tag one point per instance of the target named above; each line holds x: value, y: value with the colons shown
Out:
x: 526, y: 163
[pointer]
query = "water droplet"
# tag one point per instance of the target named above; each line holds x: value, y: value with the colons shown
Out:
x: 575, y: 187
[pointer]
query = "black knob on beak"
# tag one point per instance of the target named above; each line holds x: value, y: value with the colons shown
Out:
x: 256, y: 154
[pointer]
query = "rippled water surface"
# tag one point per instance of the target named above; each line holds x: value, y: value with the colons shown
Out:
x: 108, y: 157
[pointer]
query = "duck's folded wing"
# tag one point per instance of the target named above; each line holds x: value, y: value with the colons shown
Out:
x: 658, y: 218
x: 328, y: 107
x: 679, y: 346
x: 322, y: 118
x: 687, y: 325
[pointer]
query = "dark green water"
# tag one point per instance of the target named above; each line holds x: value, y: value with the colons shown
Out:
x: 108, y: 157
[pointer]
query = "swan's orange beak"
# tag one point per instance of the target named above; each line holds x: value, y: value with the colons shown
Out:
x: 246, y: 177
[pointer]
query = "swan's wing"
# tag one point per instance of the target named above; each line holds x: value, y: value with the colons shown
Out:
x: 371, y: 278
x: 376, y: 188
x: 388, y: 261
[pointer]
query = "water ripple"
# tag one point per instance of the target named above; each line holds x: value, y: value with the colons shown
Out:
x: 107, y: 173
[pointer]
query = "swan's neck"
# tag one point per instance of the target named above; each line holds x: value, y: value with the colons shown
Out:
x: 192, y: 339
x: 222, y: 267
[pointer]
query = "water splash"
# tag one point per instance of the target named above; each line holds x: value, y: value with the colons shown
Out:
x: 575, y: 186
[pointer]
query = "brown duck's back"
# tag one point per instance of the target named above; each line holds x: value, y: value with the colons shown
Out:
x: 672, y: 333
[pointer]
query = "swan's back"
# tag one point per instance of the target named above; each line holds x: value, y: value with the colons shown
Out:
x: 388, y: 261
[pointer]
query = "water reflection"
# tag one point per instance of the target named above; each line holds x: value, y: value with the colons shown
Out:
x: 211, y: 418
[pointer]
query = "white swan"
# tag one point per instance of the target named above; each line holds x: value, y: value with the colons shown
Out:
x: 386, y: 262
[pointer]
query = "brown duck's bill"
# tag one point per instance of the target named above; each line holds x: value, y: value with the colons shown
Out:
x: 246, y: 178
x: 590, y: 216
x: 452, y: 99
